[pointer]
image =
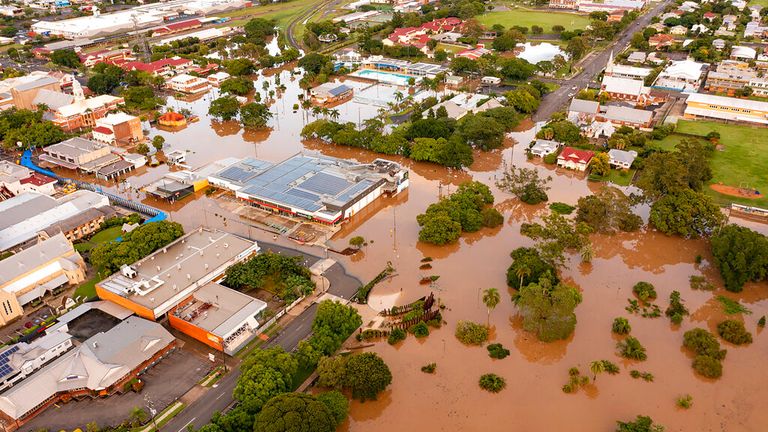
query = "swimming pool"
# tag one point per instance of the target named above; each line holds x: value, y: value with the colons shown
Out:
x: 385, y: 76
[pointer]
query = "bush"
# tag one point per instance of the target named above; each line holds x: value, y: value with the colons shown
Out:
x: 646, y: 376
x: 700, y: 283
x: 430, y: 368
x: 610, y: 367
x: 761, y: 322
x: 492, y: 383
x: 644, y: 291
x: 676, y: 309
x: 704, y: 343
x: 561, y: 208
x: 685, y: 401
x: 734, y: 332
x: 621, y: 326
x: 420, y: 330
x: 732, y: 307
x: 631, y: 348
x: 497, y: 351
x: 396, y: 336
x: 491, y: 217
x: 641, y: 424
x: 708, y: 366
x: 470, y: 333
x: 551, y: 158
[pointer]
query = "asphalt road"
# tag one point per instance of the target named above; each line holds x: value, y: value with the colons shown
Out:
x: 592, y: 66
x: 220, y: 398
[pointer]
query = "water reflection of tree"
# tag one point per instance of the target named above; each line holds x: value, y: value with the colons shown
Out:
x: 256, y: 135
x: 370, y: 410
x: 535, y: 350
x: 711, y: 313
x: 647, y: 249
x: 518, y: 211
x: 225, y: 128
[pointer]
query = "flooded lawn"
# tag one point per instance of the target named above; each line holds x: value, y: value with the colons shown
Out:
x: 451, y: 400
x: 537, y: 52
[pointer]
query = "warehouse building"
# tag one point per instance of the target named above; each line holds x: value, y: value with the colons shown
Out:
x: 220, y: 317
x: 158, y: 283
x: 318, y: 188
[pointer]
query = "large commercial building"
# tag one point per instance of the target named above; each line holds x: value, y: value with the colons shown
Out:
x: 87, y: 156
x: 161, y: 281
x: 318, y: 188
x: 99, y: 366
x: 140, y: 17
x: 118, y: 128
x: 725, y: 108
x: 36, y: 271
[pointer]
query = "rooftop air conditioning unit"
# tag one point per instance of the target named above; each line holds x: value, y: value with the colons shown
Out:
x: 128, y: 271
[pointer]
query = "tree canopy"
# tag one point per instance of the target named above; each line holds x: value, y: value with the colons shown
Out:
x: 366, y: 376
x: 528, y: 267
x: 607, y: 211
x: 444, y: 220
x: 686, y: 213
x: 526, y: 184
x: 294, y: 412
x: 281, y: 274
x: 741, y: 254
x: 224, y: 108
x: 667, y: 173
x: 255, y: 115
x: 556, y: 235
x: 240, y: 86
x: 547, y: 309
x: 135, y: 245
x: 265, y: 374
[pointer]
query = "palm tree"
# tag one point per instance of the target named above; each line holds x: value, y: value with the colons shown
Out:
x: 398, y: 97
x: 334, y: 114
x: 325, y: 112
x: 491, y: 298
x: 597, y: 367
x: 316, y: 111
x: 587, y: 253
x: 522, y: 272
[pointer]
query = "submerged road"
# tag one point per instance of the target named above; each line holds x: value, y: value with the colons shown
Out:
x: 592, y: 65
x: 199, y: 412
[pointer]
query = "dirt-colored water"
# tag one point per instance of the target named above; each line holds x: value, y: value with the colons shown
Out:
x: 450, y: 399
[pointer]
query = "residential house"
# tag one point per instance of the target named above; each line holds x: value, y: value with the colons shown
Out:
x: 621, y: 159
x: 454, y: 81
x: 719, y: 44
x: 730, y: 21
x: 600, y: 129
x: 756, y: 30
x: 162, y: 67
x: 331, y: 92
x: 16, y: 180
x: 659, y: 41
x: 637, y: 57
x: 623, y: 71
x: 709, y: 16
x: 583, y: 111
x: 683, y: 75
x: 699, y: 29
x: 419, y: 36
x: 575, y: 159
x: 625, y: 116
x: 706, y: 106
x: 474, y: 53
x: 678, y: 30
x: 542, y: 147
x: 218, y: 78
x: 188, y: 84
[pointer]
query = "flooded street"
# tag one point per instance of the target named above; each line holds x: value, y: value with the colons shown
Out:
x: 450, y: 400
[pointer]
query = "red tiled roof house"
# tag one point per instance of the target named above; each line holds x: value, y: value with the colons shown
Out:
x: 574, y: 159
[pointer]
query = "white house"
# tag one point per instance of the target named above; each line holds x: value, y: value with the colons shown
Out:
x: 621, y: 158
x: 542, y: 147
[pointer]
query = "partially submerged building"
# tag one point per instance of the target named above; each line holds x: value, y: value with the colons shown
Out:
x: 89, y: 157
x: 317, y: 188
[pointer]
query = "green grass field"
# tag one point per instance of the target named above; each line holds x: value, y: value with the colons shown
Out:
x: 282, y: 13
x: 670, y: 142
x: 742, y: 162
x: 528, y: 18
x: 103, y: 236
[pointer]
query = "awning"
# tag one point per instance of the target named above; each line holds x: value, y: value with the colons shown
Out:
x: 43, y: 288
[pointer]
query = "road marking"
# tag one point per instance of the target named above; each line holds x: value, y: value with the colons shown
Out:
x: 219, y: 397
x: 184, y: 428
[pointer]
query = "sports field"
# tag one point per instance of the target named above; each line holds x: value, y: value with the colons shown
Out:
x: 528, y: 18
x: 741, y: 163
x: 280, y: 12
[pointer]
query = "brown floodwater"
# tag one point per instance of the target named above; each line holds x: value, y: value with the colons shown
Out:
x: 450, y: 400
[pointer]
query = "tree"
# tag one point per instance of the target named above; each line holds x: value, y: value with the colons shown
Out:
x: 157, y: 142
x: 596, y: 367
x: 366, y: 375
x: 140, y: 98
x: 337, y: 405
x: 526, y: 184
x: 528, y: 267
x: 463, y: 65
x: 331, y: 372
x: 255, y: 115
x: 556, y: 236
x: 65, y: 57
x: 135, y: 245
x: 607, y: 211
x: 357, y: 242
x: 600, y: 165
x: 621, y: 326
x: 508, y: 40
x: 439, y: 229
x: 547, y: 309
x: 295, y: 412
x: 734, y: 332
x: 265, y: 374
x: 314, y: 62
x: 522, y: 101
x: 491, y: 299
x: 224, y: 108
x: 142, y: 149
x: 333, y: 324
x: 667, y: 173
x: 454, y: 153
x: 687, y: 213
x: 631, y: 348
x: 641, y: 424
x: 236, y: 85
x: 741, y: 255
x: 444, y: 221
x: 492, y: 383
x: 137, y: 416
x: 239, y: 67
x: 577, y: 47
x: 470, y: 333
x: 481, y: 132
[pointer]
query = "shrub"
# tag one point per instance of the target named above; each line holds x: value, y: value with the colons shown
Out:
x: 641, y: 424
x: 419, y: 330
x: 491, y: 217
x: 550, y: 159
x: 732, y: 307
x: 761, y: 322
x: 701, y: 283
x: 631, y: 348
x: 685, y: 401
x: 492, y: 383
x: 645, y: 376
x: 430, y: 368
x: 676, y: 309
x: 734, y: 332
x: 470, y: 333
x: 497, y: 351
x: 708, y: 366
x: 562, y: 208
x: 704, y: 343
x: 644, y: 291
x: 610, y: 367
x: 396, y: 336
x: 621, y: 326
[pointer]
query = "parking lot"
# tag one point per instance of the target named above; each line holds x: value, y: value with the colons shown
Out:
x: 165, y: 383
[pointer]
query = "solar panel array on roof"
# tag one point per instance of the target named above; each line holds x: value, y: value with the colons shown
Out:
x: 245, y: 170
x: 339, y: 90
x: 355, y: 190
x: 5, y: 368
x: 325, y: 184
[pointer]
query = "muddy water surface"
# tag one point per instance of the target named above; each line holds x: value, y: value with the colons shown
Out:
x: 451, y: 400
